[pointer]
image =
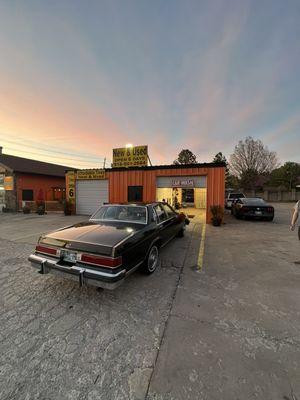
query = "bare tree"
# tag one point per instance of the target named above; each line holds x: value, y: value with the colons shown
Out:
x: 252, y: 155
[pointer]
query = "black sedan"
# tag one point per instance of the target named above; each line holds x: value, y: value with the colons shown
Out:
x: 254, y: 208
x: 114, y: 242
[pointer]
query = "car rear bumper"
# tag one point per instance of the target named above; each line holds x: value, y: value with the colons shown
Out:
x: 81, y: 274
x: 257, y: 216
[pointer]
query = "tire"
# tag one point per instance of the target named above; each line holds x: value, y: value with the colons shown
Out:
x: 270, y: 219
x: 152, y: 260
x: 180, y: 234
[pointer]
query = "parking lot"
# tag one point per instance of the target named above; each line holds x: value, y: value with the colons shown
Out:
x: 230, y: 330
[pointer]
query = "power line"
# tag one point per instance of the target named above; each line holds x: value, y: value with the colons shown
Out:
x: 81, y: 157
x: 62, y: 158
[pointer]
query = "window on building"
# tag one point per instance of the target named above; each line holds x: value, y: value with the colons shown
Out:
x: 135, y: 193
x: 27, y: 194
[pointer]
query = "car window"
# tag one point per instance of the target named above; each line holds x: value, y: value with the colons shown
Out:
x: 255, y: 201
x: 161, y: 215
x: 168, y: 210
x: 121, y: 213
x: 236, y: 196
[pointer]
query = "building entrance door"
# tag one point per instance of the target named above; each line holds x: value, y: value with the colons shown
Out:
x: 188, y: 196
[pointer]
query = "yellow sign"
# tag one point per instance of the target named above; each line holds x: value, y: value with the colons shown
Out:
x: 130, y: 157
x: 9, y: 183
x: 91, y: 174
x: 70, y: 186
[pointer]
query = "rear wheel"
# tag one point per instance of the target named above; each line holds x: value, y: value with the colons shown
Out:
x: 180, y: 234
x: 270, y: 219
x: 152, y: 260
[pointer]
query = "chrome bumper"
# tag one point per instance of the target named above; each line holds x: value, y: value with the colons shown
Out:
x: 81, y: 274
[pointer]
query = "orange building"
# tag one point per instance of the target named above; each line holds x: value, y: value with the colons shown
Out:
x: 195, y: 185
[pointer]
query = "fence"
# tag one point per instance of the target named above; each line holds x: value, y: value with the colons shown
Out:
x: 50, y: 206
x: 275, y: 195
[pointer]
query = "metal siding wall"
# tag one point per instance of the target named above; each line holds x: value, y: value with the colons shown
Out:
x: 120, y: 180
x: 215, y: 189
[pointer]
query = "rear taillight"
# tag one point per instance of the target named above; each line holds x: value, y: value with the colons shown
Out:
x: 270, y: 209
x: 100, y: 261
x: 46, y: 250
x: 244, y: 209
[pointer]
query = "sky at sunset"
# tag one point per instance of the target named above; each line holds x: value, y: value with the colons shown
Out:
x: 78, y: 78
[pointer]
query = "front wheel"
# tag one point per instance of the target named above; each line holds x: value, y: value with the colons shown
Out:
x: 152, y: 261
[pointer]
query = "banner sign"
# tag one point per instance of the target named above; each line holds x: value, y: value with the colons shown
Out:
x: 91, y: 174
x: 70, y: 186
x: 183, y: 183
x: 130, y: 157
x: 9, y: 183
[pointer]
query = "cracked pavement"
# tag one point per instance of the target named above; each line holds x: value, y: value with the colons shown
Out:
x: 59, y: 341
x: 230, y: 331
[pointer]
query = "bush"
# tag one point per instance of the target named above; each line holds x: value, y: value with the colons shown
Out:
x: 217, y: 214
x: 41, y: 210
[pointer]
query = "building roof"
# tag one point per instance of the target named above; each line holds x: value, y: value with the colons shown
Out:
x: 28, y: 166
x: 172, y: 166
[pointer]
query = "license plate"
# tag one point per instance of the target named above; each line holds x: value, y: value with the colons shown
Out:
x: 258, y: 213
x: 69, y: 256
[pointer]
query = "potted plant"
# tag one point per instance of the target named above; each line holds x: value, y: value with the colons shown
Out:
x: 68, y: 207
x: 40, y: 207
x: 26, y: 210
x: 217, y: 214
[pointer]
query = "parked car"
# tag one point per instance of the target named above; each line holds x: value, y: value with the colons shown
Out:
x: 255, y: 208
x: 114, y: 242
x: 231, y: 197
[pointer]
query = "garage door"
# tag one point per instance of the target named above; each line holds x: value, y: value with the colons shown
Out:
x: 90, y: 195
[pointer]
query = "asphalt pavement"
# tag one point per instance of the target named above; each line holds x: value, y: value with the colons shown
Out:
x: 224, y: 328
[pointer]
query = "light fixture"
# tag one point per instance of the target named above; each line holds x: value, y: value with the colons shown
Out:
x: 128, y: 145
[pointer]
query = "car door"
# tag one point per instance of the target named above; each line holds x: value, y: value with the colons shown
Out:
x: 165, y: 224
x: 175, y: 224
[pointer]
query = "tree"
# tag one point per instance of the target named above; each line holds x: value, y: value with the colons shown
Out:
x: 185, y: 157
x: 219, y: 157
x: 286, y: 175
x: 252, y: 157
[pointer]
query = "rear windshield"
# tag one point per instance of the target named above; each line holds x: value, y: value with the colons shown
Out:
x: 236, y: 196
x: 135, y: 214
x: 254, y: 201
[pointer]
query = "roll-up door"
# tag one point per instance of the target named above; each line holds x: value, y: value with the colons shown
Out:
x: 90, y: 195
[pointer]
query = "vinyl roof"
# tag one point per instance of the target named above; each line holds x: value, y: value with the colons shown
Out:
x: 26, y: 165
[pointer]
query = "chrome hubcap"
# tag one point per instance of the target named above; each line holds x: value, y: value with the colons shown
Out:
x: 153, y: 259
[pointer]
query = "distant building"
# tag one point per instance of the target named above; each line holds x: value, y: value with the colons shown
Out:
x: 23, y: 179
